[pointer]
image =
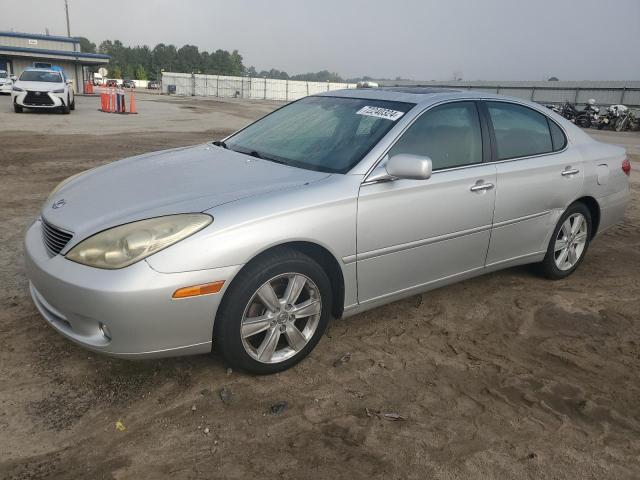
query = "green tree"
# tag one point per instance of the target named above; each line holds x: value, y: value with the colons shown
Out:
x: 86, y: 46
x: 116, y: 72
x: 128, y: 71
x: 141, y: 73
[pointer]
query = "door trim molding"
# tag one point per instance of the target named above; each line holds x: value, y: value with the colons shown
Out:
x: 418, y: 243
x: 504, y: 223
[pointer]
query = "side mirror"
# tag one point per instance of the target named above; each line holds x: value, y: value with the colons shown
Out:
x: 412, y: 167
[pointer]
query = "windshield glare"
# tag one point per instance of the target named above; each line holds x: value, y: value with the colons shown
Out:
x: 329, y: 134
x: 34, y: 76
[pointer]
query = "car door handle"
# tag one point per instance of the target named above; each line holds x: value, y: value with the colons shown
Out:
x: 481, y: 187
x: 569, y: 171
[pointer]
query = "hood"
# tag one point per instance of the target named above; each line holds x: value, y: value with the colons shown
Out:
x: 183, y: 180
x: 38, y: 86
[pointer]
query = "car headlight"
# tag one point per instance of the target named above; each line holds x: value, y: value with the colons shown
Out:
x: 122, y: 246
x: 17, y: 89
x: 60, y: 90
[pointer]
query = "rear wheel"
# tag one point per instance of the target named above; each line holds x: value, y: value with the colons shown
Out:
x: 274, y: 313
x: 569, y: 242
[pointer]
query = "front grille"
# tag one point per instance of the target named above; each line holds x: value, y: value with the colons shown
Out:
x: 54, y: 238
x: 37, y: 98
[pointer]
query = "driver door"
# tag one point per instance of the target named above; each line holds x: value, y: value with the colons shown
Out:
x: 415, y: 233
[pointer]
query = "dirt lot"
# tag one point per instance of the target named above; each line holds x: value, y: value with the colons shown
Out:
x: 504, y: 376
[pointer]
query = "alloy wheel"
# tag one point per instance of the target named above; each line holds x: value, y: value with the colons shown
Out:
x: 281, y: 317
x: 571, y: 241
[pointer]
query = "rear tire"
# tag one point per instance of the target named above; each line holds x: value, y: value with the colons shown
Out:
x: 290, y: 331
x: 574, y: 231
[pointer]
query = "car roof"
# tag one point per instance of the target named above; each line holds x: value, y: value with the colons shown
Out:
x: 417, y: 94
x: 33, y: 69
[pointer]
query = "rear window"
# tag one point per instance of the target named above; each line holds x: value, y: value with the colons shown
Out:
x: 520, y: 131
x: 557, y: 136
x: 35, y: 76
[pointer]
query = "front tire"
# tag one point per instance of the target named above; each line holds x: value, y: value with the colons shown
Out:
x: 17, y: 108
x: 274, y: 312
x: 569, y: 243
x: 73, y: 104
x: 66, y: 109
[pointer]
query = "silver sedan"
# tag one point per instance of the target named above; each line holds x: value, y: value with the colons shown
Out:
x: 329, y: 206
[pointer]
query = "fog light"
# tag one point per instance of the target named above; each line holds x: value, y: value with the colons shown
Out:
x: 105, y: 331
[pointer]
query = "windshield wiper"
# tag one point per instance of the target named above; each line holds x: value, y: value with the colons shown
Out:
x: 220, y: 143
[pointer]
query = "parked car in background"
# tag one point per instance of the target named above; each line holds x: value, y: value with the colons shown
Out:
x: 329, y: 206
x: 45, y: 89
x: 5, y: 82
x: 111, y: 83
x: 129, y: 84
x: 153, y: 85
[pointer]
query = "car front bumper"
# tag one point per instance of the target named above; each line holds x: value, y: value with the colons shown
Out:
x: 133, y: 305
x: 57, y: 100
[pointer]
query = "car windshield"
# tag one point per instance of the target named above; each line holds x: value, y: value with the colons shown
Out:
x: 328, y: 134
x: 35, y: 76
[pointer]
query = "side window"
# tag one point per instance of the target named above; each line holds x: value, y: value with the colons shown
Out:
x: 449, y: 135
x: 557, y: 136
x: 520, y: 131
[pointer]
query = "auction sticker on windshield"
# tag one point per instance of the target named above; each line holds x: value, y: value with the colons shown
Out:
x: 380, y: 112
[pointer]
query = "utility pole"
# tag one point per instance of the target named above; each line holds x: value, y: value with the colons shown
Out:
x: 66, y: 9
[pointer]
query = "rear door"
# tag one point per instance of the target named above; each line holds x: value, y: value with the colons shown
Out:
x: 537, y: 178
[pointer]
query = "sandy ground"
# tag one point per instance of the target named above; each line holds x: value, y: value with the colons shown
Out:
x: 504, y: 376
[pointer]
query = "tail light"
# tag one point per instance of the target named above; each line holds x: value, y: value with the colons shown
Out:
x: 626, y: 166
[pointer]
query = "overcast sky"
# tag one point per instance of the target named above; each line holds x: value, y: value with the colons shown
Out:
x: 417, y: 39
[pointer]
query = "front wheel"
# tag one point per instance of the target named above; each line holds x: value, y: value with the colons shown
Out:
x: 66, y: 108
x: 274, y: 313
x: 569, y: 242
x: 17, y: 108
x: 72, y: 106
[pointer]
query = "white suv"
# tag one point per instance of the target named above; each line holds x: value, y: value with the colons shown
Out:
x: 43, y: 89
x: 5, y: 82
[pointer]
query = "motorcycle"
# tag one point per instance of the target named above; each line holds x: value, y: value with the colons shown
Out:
x: 583, y: 118
x: 626, y: 121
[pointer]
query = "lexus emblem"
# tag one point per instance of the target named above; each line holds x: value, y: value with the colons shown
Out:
x: 58, y: 204
x: 37, y: 94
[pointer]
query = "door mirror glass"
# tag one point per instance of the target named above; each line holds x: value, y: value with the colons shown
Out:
x: 412, y: 167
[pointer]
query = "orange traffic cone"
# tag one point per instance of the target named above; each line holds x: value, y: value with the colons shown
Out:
x: 132, y: 103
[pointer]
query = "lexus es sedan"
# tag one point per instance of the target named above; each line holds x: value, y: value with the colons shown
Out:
x: 331, y: 205
x: 43, y: 89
